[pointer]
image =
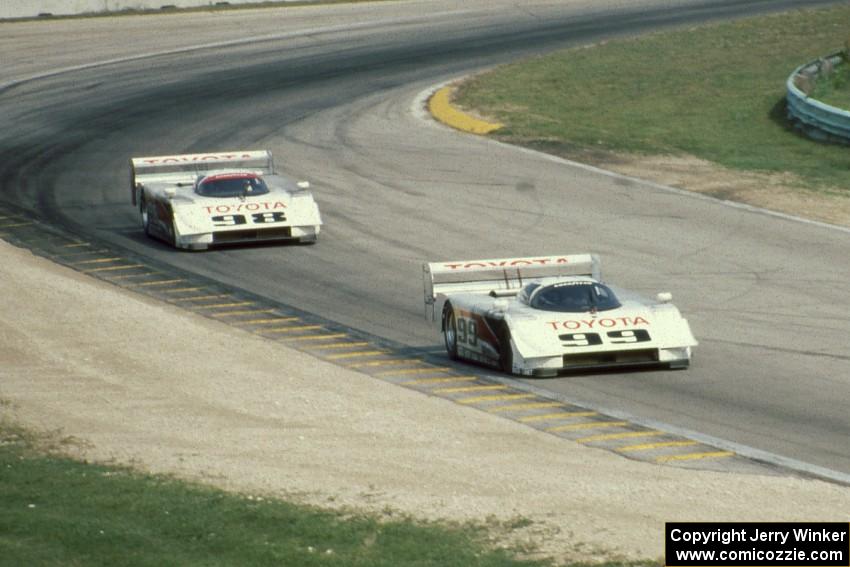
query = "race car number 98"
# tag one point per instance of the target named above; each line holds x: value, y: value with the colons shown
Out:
x: 256, y: 218
x: 614, y: 337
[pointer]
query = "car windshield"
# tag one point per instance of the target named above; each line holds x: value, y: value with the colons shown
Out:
x: 574, y: 297
x: 231, y: 185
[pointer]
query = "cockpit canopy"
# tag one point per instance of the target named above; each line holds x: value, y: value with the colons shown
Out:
x: 231, y: 185
x: 578, y: 296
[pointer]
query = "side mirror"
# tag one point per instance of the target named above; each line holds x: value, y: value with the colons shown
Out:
x: 664, y: 297
x: 303, y: 184
x: 170, y: 192
x: 500, y: 305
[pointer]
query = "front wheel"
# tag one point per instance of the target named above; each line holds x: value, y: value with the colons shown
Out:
x: 450, y: 331
x: 145, y: 216
x: 171, y: 233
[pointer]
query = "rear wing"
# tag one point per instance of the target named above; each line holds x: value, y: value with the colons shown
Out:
x: 169, y: 168
x: 501, y: 276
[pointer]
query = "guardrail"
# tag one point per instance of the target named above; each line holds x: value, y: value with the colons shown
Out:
x: 816, y: 119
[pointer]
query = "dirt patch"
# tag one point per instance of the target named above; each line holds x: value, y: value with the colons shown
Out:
x: 777, y: 192
x: 781, y: 193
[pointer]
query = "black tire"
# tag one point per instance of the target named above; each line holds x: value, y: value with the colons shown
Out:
x: 145, y: 217
x: 450, y: 331
x: 506, y: 352
x: 171, y: 233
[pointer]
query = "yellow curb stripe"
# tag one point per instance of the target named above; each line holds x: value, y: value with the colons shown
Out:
x: 561, y: 415
x: 325, y: 337
x: 495, y: 398
x: 695, y: 456
x: 442, y: 109
x: 223, y: 305
x: 461, y: 389
x: 241, y: 312
x: 615, y: 436
x: 591, y: 425
x: 200, y: 297
x: 439, y: 380
x: 332, y: 346
x: 520, y: 407
x: 96, y: 261
x: 269, y: 320
x: 361, y: 354
x: 183, y: 290
x: 130, y: 276
x: 114, y: 268
x: 15, y: 225
x: 408, y: 371
x: 659, y: 445
x: 157, y: 282
x: 387, y: 362
x: 290, y: 329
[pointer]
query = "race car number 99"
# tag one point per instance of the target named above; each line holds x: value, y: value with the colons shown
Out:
x: 256, y: 218
x: 614, y: 337
x: 467, y: 331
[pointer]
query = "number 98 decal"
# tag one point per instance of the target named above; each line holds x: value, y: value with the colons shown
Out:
x: 256, y: 218
x: 614, y: 337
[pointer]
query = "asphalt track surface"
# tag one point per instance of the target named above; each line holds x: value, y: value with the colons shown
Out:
x: 340, y: 105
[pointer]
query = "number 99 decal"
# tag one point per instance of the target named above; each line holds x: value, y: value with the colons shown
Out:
x: 614, y: 337
x: 467, y: 332
x: 581, y: 339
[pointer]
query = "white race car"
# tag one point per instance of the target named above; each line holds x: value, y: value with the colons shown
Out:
x: 541, y: 316
x: 200, y: 200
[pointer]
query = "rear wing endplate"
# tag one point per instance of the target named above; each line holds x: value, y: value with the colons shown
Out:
x: 164, y: 168
x: 442, y: 279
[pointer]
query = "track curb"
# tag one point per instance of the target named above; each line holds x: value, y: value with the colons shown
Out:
x: 441, y: 108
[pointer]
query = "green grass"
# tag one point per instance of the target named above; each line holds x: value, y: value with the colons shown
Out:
x: 716, y: 92
x: 57, y: 511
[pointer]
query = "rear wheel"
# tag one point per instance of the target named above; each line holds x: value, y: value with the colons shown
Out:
x: 450, y: 331
x: 506, y: 352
